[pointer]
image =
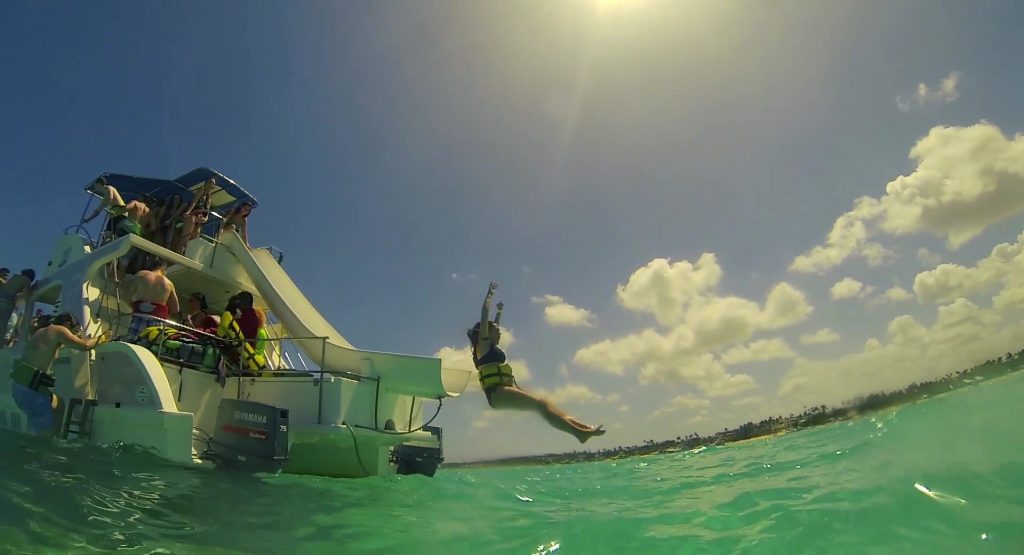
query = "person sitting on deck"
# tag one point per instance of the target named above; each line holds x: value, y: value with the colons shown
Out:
x: 11, y: 291
x: 499, y: 384
x: 198, y: 316
x: 237, y: 220
x: 152, y: 296
x: 31, y: 376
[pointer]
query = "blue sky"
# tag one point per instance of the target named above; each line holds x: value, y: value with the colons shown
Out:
x: 404, y: 154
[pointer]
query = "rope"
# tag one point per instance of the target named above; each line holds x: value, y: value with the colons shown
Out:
x: 359, y: 458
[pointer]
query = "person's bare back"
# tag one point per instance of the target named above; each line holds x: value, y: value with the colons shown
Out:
x: 152, y: 286
x: 41, y: 348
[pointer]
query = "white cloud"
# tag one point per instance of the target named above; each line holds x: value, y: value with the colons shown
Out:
x: 748, y: 401
x: 966, y: 179
x: 764, y: 349
x: 703, y: 371
x: 944, y: 93
x: 820, y: 337
x: 699, y: 324
x: 624, y: 408
x: 701, y: 417
x: 897, y: 294
x: 928, y: 258
x: 784, y: 307
x: 849, y: 236
x: 1004, y: 267
x: 963, y: 335
x: 559, y: 313
x: 569, y: 393
x: 663, y: 288
x: 847, y: 288
x: 463, y: 278
x: 487, y: 417
x: 683, y: 403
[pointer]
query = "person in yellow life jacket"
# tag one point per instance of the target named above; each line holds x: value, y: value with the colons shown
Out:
x: 245, y: 355
x: 499, y: 384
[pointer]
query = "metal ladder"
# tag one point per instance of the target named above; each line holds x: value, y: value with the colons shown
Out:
x: 81, y: 426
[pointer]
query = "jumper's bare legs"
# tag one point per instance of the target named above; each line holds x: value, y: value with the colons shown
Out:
x: 516, y: 399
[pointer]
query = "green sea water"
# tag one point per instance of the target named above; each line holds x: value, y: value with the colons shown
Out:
x: 944, y: 475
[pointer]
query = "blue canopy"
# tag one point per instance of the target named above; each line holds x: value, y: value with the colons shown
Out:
x: 226, y: 195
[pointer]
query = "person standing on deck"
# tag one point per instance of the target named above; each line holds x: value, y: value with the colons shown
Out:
x: 238, y: 220
x: 196, y: 216
x: 8, y: 338
x: 11, y: 291
x: 125, y: 218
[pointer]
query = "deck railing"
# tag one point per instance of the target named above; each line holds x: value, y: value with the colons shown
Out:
x: 230, y: 370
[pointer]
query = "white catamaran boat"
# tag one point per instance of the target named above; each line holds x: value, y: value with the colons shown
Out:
x: 321, y: 407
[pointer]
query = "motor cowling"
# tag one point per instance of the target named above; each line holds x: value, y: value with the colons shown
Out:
x: 250, y: 435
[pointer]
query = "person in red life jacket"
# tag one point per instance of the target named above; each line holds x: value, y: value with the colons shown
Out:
x: 152, y: 296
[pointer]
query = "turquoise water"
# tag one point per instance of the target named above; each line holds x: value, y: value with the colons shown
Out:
x: 843, y: 488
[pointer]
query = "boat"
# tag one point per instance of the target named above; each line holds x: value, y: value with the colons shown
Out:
x: 320, y: 407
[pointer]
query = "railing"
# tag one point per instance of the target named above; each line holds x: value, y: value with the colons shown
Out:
x: 80, y: 230
x: 221, y: 342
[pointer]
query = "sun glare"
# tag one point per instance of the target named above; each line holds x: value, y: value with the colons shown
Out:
x: 608, y: 7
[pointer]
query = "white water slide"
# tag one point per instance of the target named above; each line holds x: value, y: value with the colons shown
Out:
x: 403, y: 374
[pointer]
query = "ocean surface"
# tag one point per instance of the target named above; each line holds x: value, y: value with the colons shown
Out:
x: 944, y: 475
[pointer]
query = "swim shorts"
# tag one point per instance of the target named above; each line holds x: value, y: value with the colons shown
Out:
x: 36, y: 406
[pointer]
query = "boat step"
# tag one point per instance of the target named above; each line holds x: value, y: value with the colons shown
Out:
x: 82, y: 425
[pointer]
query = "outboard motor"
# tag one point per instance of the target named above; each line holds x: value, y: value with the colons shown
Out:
x: 251, y: 436
x: 419, y: 459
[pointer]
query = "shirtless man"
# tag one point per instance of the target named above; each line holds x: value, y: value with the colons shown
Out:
x: 31, y: 373
x: 124, y: 218
x: 11, y: 291
x: 152, y: 295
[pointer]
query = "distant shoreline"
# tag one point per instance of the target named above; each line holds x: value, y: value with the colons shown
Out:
x: 777, y: 425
